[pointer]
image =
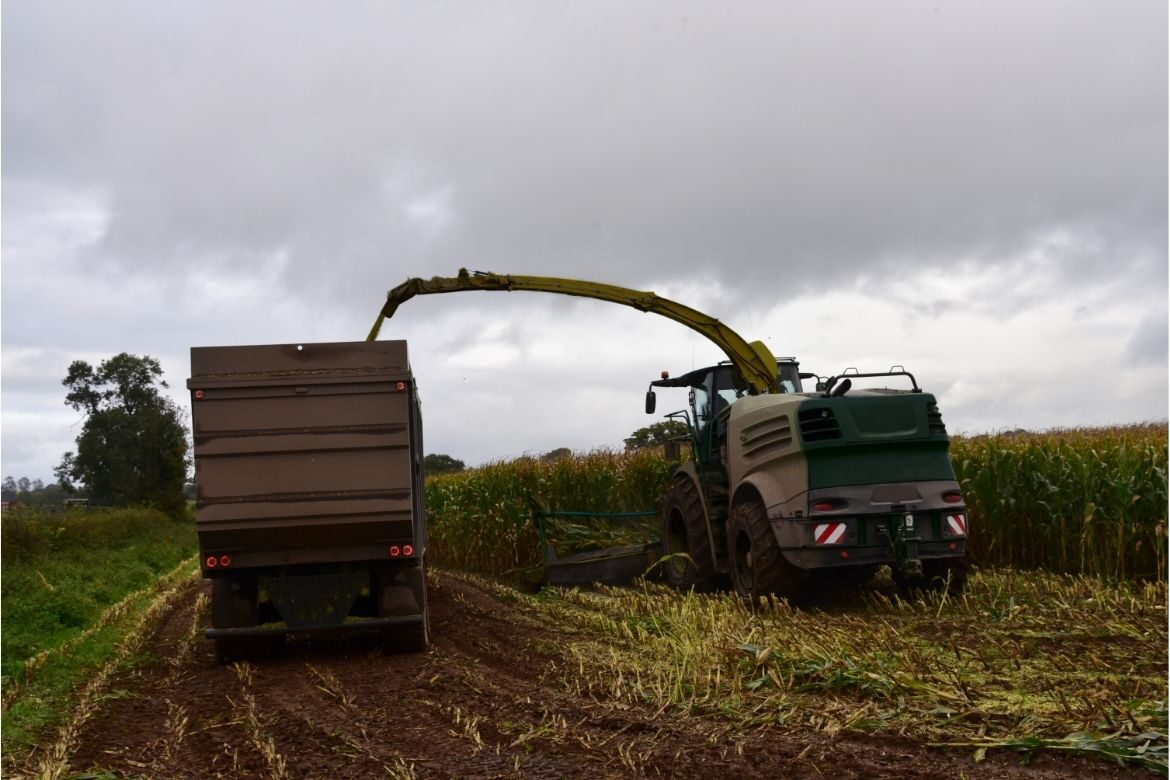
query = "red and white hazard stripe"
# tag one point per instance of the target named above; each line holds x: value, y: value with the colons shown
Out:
x: 957, y: 525
x: 829, y: 533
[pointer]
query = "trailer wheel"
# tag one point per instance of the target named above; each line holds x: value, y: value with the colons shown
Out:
x: 234, y: 602
x: 688, y: 563
x: 412, y: 583
x: 758, y: 569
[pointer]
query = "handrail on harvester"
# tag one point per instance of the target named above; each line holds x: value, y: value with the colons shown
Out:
x: 753, y: 362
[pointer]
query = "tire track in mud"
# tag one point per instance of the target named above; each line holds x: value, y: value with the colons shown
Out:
x: 487, y: 701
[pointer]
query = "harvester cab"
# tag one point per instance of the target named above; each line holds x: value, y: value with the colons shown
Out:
x: 711, y: 392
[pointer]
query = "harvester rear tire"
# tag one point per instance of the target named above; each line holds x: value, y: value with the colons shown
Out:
x: 938, y: 575
x: 758, y: 568
x: 949, y: 574
x: 688, y: 563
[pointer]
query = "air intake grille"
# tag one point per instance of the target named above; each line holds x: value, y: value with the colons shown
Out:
x: 934, y: 418
x: 819, y: 425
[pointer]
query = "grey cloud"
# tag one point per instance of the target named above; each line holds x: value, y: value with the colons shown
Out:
x: 1149, y: 344
x: 181, y: 173
x: 774, y: 145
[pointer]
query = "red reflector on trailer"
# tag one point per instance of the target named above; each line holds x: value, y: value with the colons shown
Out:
x: 225, y: 560
x: 407, y: 550
x: 198, y: 394
x: 394, y: 551
x: 844, y: 553
x: 953, y: 546
x: 211, y: 561
x: 400, y: 386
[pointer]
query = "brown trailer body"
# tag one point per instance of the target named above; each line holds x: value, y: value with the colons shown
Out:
x: 308, y: 469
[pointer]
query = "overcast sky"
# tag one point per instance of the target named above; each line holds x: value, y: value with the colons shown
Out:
x: 977, y: 191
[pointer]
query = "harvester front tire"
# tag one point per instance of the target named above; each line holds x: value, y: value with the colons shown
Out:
x: 758, y: 568
x: 687, y: 560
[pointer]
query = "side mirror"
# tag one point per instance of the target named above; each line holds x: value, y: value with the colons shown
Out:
x: 820, y: 387
x: 651, y: 402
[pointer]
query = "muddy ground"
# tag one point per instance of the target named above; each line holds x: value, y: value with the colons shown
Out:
x: 484, y: 702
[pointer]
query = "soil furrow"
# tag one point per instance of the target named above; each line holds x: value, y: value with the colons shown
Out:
x: 489, y: 700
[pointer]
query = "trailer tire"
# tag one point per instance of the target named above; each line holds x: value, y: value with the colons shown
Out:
x: 758, y: 568
x: 413, y: 638
x: 235, y: 602
x: 231, y: 649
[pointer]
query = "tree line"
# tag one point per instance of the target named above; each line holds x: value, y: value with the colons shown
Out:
x: 133, y: 448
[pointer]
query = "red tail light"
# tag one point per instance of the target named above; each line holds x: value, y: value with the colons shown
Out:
x: 829, y: 505
x: 952, y: 497
x: 395, y: 551
x: 407, y: 549
x: 211, y: 561
x: 225, y: 560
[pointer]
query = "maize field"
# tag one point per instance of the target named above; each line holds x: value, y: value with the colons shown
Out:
x: 1086, y: 501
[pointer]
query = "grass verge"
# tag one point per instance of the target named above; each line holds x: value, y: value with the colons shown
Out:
x: 75, y: 586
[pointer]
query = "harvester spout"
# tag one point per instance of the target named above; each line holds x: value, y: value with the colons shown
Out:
x: 754, y: 364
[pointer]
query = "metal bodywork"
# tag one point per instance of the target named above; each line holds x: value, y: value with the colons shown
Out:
x: 309, y: 505
x: 846, y: 482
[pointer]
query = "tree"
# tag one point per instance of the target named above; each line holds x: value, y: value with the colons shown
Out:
x: 442, y: 464
x: 560, y: 453
x: 132, y: 448
x: 656, y: 434
x: 37, y: 493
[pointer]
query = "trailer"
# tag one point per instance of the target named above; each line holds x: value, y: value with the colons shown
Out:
x: 309, y: 492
